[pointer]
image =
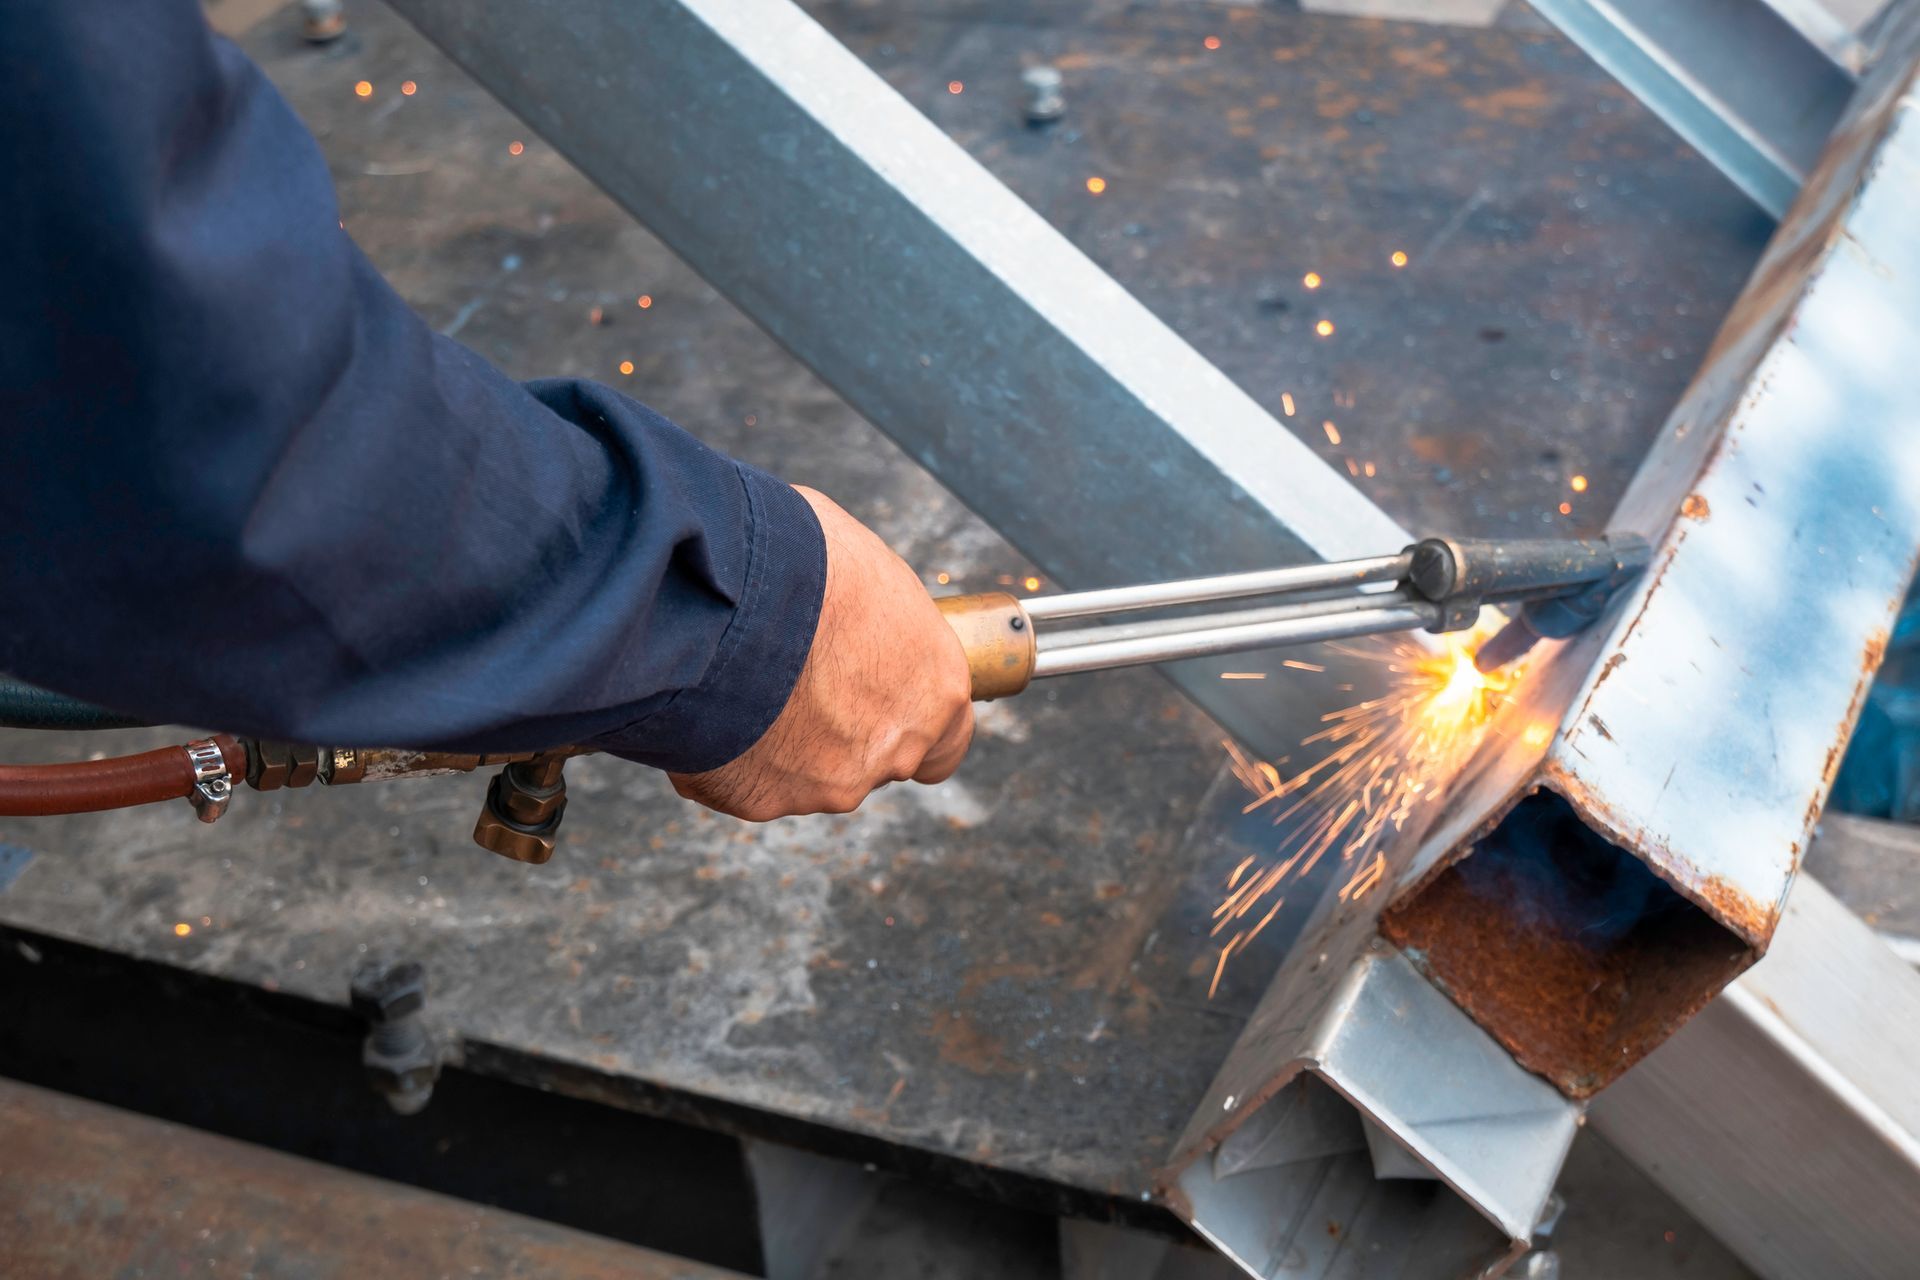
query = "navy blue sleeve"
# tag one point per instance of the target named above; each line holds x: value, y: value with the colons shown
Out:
x: 246, y: 487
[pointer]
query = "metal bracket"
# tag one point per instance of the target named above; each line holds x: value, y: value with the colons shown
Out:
x: 212, y: 783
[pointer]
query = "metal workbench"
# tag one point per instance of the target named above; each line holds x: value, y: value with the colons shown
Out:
x: 1000, y: 983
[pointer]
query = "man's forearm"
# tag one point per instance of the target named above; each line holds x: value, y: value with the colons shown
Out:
x: 248, y: 487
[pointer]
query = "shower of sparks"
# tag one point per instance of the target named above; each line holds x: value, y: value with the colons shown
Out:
x: 1387, y: 758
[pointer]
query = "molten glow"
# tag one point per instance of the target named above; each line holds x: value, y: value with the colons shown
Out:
x: 1212, y: 42
x: 1333, y: 432
x: 1324, y: 328
x: 1399, y: 258
x: 1096, y: 185
x: 182, y: 929
x: 626, y: 367
x: 1536, y: 734
x: 954, y: 86
x: 364, y: 89
x: 515, y: 147
x: 644, y: 301
x: 1387, y: 762
x: 408, y: 88
x: 1311, y: 280
x: 1578, y: 484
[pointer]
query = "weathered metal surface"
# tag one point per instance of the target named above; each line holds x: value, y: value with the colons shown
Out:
x: 1699, y: 731
x: 1738, y: 79
x: 89, y: 1191
x: 1047, y: 951
x: 1806, y: 1067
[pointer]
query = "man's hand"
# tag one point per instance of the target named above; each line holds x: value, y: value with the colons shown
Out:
x: 884, y: 696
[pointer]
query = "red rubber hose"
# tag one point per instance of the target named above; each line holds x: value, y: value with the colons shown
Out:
x: 42, y: 790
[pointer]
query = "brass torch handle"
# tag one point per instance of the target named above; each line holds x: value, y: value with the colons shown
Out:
x: 998, y: 637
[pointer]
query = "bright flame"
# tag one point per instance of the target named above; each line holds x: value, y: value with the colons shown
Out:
x: 1387, y: 758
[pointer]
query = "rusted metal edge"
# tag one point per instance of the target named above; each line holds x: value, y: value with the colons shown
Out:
x: 1697, y: 731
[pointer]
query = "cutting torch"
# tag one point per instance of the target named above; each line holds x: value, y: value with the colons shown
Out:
x: 1548, y: 588
x: 1553, y: 588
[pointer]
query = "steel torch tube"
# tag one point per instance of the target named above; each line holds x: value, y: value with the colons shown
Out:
x: 1231, y: 586
x: 1154, y: 627
x: 1220, y: 640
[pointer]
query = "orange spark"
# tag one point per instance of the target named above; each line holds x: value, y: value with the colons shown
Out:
x: 1311, y: 280
x: 1031, y: 584
x: 1243, y: 675
x: 1369, y: 470
x: 1324, y: 328
x: 1096, y: 185
x: 1212, y: 42
x: 943, y: 578
x: 644, y: 301
x: 1298, y: 665
x: 1388, y: 759
x: 1398, y: 259
x: 954, y: 86
x: 515, y: 147
x: 626, y: 367
x: 1566, y: 508
x: 1286, y: 402
x: 1333, y: 432
x: 364, y: 89
x: 182, y: 929
x: 1578, y: 484
x: 408, y: 88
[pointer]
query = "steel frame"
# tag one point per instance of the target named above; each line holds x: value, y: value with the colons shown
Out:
x: 1048, y: 399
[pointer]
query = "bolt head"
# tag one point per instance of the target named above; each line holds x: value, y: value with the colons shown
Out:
x: 385, y: 993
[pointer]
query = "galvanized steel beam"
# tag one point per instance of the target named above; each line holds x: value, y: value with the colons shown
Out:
x: 1588, y: 894
x: 1755, y: 86
x: 924, y: 292
x: 1785, y: 1117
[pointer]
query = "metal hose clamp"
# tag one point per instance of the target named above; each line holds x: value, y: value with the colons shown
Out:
x: 212, y: 784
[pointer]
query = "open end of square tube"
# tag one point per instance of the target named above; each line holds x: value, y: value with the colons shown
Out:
x: 1302, y: 1188
x: 1568, y: 950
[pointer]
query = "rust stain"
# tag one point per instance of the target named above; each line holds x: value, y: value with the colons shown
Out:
x: 962, y: 1043
x: 1520, y: 104
x: 1694, y: 507
x: 1739, y: 912
x: 1546, y: 964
